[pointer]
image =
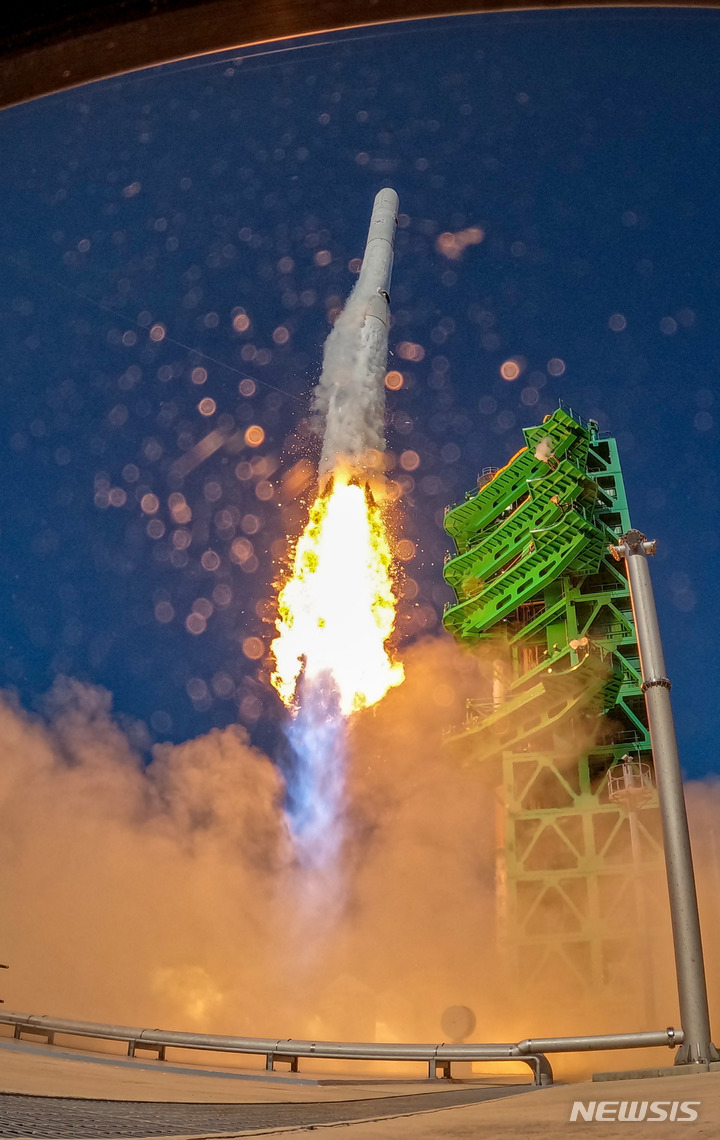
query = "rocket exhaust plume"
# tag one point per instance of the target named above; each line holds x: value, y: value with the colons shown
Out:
x: 337, y: 605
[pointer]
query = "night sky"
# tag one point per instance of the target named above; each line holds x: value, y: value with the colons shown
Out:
x: 175, y: 244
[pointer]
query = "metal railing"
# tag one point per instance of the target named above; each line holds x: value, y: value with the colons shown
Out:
x: 587, y: 424
x: 438, y: 1057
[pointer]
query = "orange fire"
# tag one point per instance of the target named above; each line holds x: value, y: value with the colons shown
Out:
x: 337, y: 607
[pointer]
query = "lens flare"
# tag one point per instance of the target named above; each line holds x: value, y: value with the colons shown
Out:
x: 337, y: 607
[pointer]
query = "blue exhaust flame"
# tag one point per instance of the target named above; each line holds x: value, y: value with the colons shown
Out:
x: 316, y: 776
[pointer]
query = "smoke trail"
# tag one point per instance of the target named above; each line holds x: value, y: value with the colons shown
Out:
x: 350, y: 395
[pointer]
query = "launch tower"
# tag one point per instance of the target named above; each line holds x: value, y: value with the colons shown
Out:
x: 534, y: 579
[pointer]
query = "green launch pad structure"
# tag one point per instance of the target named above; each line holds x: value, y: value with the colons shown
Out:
x: 535, y: 582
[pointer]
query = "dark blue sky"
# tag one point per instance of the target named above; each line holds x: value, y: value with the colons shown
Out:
x: 142, y: 219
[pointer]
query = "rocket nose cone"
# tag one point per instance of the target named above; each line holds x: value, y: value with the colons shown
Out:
x: 387, y: 199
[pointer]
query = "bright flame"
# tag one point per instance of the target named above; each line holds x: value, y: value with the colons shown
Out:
x: 337, y: 608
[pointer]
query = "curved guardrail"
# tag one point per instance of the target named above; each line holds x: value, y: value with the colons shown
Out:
x: 438, y: 1057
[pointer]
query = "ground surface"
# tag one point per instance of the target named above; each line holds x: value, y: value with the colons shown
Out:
x: 57, y: 1117
x: 108, y: 1097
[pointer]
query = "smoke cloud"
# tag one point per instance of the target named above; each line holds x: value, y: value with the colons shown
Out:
x: 171, y: 894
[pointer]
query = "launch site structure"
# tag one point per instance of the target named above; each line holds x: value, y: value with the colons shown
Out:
x: 534, y: 579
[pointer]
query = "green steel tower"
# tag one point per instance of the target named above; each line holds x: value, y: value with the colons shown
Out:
x: 535, y: 582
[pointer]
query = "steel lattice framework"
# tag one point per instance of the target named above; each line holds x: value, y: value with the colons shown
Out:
x: 534, y: 580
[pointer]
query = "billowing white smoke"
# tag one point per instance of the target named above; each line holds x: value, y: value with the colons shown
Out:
x: 350, y: 395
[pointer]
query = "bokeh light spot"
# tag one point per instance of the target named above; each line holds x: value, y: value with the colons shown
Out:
x: 210, y: 560
x: 196, y: 689
x: 164, y: 612
x: 118, y: 415
x: 161, y: 721
x: 250, y: 708
x: 222, y: 594
x: 179, y: 509
x: 223, y: 685
x: 450, y: 453
x: 253, y: 648
x: 149, y: 504
x: 212, y: 491
x: 410, y: 351
x: 241, y: 550
x: 409, y: 589
x: 181, y: 539
x: 452, y: 245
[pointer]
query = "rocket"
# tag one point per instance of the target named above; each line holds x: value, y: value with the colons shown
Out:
x: 351, y: 390
x: 377, y: 263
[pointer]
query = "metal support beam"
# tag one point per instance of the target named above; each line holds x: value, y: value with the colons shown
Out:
x: 634, y: 548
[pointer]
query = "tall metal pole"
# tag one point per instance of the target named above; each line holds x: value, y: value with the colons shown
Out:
x: 634, y: 548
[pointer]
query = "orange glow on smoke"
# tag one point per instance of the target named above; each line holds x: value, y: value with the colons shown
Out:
x: 337, y: 607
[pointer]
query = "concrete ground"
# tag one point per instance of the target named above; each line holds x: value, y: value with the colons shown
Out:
x: 543, y: 1114
x: 141, y: 1098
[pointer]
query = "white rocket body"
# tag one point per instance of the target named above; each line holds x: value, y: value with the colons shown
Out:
x: 351, y: 391
x: 377, y: 264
